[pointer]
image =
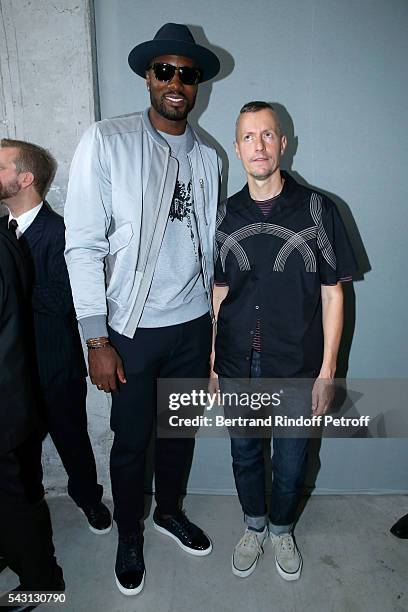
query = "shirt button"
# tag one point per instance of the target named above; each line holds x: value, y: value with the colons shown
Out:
x: 256, y: 307
x: 252, y: 332
x: 247, y: 358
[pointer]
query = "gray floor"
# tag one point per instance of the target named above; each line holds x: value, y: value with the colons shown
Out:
x: 351, y: 562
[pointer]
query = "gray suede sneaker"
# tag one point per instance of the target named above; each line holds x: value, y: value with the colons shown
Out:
x: 247, y: 552
x: 287, y: 556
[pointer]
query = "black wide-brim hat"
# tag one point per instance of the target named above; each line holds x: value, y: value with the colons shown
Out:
x: 174, y: 39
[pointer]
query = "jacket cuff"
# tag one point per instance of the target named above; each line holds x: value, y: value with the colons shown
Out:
x: 93, y: 327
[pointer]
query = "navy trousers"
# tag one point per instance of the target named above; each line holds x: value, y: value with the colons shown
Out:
x: 63, y: 407
x: 176, y: 351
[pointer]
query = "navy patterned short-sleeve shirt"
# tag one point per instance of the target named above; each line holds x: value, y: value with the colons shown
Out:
x: 274, y: 267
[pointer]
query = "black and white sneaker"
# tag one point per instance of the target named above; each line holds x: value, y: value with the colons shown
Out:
x: 130, y: 569
x: 99, y: 518
x: 187, y: 535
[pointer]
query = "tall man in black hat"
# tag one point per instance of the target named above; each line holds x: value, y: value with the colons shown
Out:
x: 140, y: 218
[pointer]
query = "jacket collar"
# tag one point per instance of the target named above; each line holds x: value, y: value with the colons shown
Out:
x: 13, y: 246
x: 34, y: 232
x: 155, y: 134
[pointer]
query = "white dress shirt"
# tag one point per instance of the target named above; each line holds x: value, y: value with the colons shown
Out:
x: 25, y: 220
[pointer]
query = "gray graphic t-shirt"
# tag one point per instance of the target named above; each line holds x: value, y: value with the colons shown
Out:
x: 177, y: 292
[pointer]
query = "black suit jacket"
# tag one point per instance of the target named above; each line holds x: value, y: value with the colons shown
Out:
x: 59, y: 352
x: 17, y: 413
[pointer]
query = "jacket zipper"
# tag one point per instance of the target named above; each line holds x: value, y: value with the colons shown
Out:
x: 206, y: 283
x: 201, y: 181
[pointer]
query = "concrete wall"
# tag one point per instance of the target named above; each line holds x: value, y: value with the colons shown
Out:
x: 47, y: 97
x: 47, y: 86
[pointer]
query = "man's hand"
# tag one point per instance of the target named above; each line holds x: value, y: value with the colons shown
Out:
x: 105, y: 367
x: 322, y: 395
x: 213, y: 384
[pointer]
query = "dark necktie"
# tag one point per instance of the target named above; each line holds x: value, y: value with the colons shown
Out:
x: 13, y: 225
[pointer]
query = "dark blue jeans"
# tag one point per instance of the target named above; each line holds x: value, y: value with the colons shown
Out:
x: 289, y: 463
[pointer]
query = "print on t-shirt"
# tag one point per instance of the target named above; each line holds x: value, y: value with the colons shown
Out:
x: 181, y: 208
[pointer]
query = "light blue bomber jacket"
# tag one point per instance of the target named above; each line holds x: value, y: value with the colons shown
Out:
x: 121, y: 186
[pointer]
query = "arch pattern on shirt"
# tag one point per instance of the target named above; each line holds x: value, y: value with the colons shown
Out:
x: 297, y: 241
x: 293, y: 240
x: 230, y: 243
x: 221, y: 212
x: 322, y: 240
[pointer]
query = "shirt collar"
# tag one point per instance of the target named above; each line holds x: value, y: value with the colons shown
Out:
x: 25, y: 220
x: 284, y: 199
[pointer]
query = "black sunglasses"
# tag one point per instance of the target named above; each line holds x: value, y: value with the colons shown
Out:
x: 188, y: 75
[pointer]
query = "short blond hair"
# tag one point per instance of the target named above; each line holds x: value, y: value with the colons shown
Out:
x: 254, y: 107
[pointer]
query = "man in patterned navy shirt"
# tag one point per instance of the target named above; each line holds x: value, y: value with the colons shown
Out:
x: 282, y: 255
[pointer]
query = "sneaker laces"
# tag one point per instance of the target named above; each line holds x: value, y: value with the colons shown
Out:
x: 131, y: 550
x: 286, y: 544
x: 249, y: 541
x: 95, y: 511
x: 186, y: 525
x: 92, y: 513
